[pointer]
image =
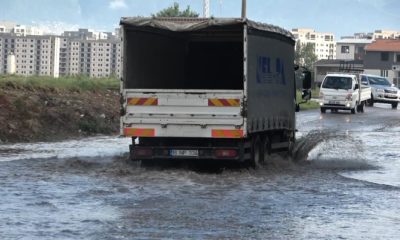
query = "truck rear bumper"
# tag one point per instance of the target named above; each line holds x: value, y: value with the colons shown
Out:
x: 218, y: 153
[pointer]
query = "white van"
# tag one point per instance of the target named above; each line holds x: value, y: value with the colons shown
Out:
x: 343, y: 91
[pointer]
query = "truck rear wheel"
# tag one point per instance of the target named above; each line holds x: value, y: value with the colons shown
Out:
x: 394, y: 105
x: 256, y: 152
x: 266, y: 149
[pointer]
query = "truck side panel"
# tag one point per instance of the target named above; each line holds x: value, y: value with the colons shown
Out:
x: 270, y: 88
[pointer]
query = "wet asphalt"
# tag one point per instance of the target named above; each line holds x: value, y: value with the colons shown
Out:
x: 343, y: 183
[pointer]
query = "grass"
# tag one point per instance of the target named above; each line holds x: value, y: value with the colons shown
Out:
x: 311, y: 104
x: 74, y: 83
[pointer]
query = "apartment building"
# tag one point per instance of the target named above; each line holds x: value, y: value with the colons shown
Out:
x: 386, y: 34
x: 324, y: 43
x: 87, y: 53
x: 79, y: 52
x: 34, y: 55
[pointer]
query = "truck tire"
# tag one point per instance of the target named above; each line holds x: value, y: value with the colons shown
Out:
x: 323, y: 110
x: 362, y: 107
x: 256, y: 152
x: 353, y: 110
x: 394, y: 105
x: 266, y: 149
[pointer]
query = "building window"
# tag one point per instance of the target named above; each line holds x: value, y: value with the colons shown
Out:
x: 384, y: 73
x: 345, y: 49
x: 384, y: 56
x: 398, y: 58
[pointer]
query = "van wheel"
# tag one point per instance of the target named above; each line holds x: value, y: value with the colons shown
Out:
x: 371, y: 101
x: 394, y: 105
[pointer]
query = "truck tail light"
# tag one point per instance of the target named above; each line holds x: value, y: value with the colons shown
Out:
x: 226, y: 153
x: 143, y: 152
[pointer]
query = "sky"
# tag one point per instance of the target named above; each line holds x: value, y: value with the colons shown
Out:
x: 342, y: 17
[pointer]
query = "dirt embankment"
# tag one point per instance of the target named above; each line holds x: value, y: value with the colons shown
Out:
x: 48, y: 114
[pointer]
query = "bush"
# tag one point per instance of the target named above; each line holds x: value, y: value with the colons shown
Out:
x: 73, y: 83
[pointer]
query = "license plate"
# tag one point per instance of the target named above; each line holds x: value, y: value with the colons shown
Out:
x: 184, y: 153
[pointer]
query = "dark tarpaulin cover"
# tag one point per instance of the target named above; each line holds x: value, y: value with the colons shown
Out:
x: 192, y: 24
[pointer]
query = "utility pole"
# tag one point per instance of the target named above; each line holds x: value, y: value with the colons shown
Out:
x: 206, y: 8
x: 243, y: 9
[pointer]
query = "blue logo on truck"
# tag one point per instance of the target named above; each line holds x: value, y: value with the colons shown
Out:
x: 270, y: 71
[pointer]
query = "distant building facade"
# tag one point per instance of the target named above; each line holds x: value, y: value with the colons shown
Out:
x: 324, y: 43
x: 386, y: 34
x: 89, y: 53
x: 383, y: 58
x: 351, y: 49
x: 34, y: 55
x: 79, y: 52
x: 377, y: 34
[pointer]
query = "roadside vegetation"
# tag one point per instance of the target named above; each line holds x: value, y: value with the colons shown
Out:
x: 38, y: 108
x: 73, y: 83
x: 311, y: 104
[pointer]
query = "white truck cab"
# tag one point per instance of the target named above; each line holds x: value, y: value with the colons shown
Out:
x: 343, y: 91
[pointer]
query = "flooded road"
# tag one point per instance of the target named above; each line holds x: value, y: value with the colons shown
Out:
x: 345, y: 185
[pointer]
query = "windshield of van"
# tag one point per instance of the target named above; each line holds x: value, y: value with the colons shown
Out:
x: 379, y: 81
x: 337, y: 83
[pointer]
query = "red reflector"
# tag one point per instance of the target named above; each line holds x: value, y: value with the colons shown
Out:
x: 226, y: 153
x: 143, y: 152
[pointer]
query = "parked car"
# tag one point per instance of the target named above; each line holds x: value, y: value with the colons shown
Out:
x: 383, y: 91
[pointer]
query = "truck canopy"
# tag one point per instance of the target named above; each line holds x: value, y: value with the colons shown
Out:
x: 188, y: 53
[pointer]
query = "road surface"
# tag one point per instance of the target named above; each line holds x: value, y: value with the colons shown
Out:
x: 344, y: 185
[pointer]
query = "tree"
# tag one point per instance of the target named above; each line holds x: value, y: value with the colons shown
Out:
x: 305, y: 54
x: 174, y: 11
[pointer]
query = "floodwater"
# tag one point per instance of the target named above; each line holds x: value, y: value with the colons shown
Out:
x: 343, y: 184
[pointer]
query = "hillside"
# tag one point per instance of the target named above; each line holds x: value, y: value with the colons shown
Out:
x: 32, y: 110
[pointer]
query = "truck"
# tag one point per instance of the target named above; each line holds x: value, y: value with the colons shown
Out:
x: 343, y: 91
x: 207, y: 88
x: 382, y: 90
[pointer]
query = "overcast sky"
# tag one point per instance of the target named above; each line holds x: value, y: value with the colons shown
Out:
x: 342, y: 17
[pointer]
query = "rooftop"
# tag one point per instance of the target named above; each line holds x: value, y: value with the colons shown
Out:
x: 354, y: 40
x: 386, y: 45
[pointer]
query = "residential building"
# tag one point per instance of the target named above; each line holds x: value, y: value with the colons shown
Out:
x: 79, y: 52
x: 377, y: 34
x: 351, y: 49
x: 383, y: 58
x: 324, y: 43
x: 34, y: 55
x: 87, y: 53
x: 6, y: 27
x: 386, y: 34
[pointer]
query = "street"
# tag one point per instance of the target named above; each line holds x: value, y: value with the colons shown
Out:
x: 344, y: 183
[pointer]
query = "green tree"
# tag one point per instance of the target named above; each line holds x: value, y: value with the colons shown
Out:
x: 305, y: 54
x: 174, y: 11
